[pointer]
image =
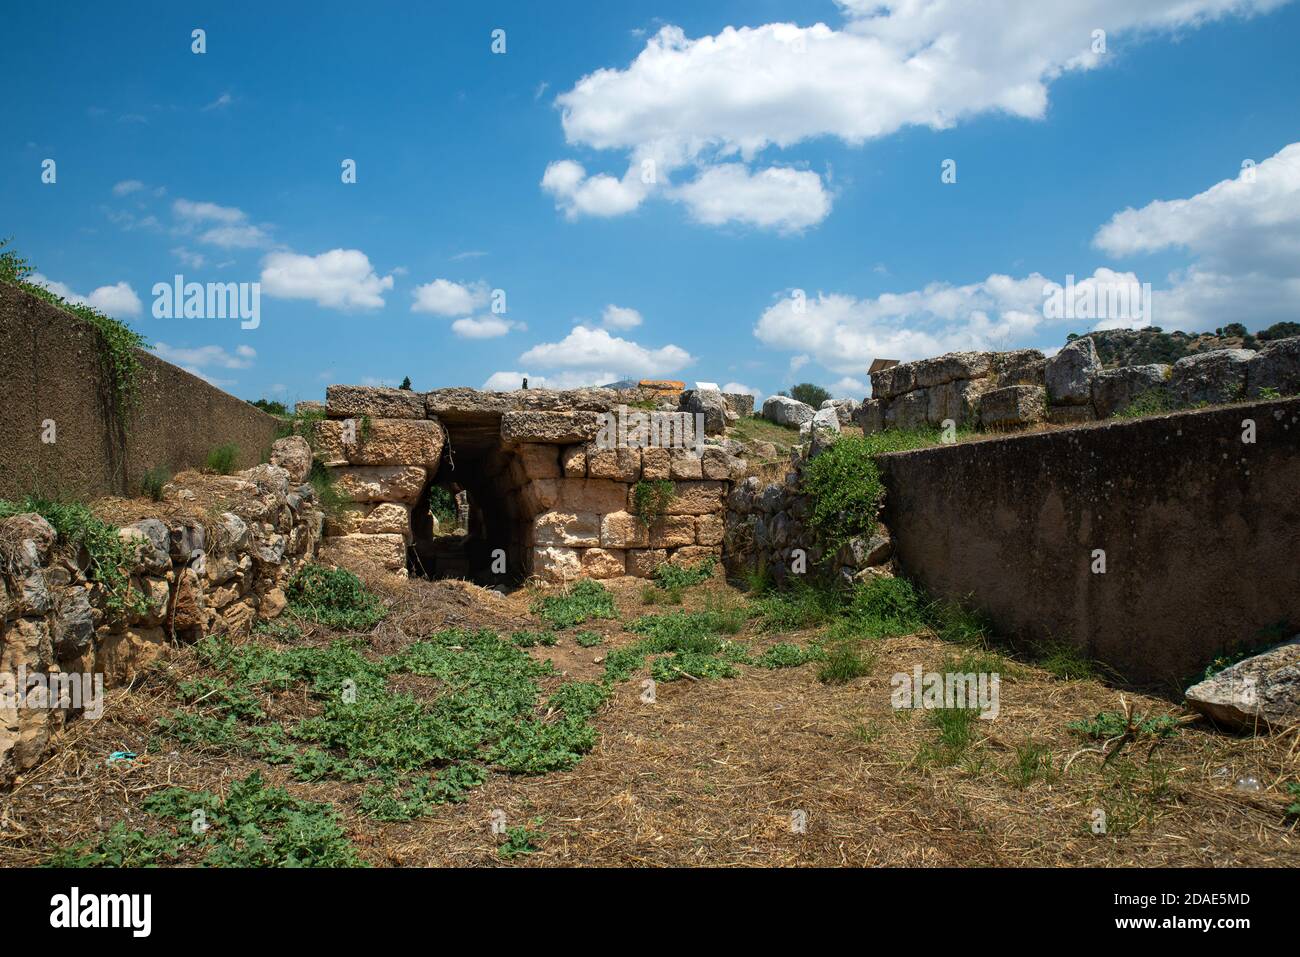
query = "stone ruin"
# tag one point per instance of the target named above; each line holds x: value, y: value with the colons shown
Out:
x: 549, y: 495
x: 1006, y: 390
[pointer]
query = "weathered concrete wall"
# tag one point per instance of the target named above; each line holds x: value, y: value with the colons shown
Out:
x: 1201, y: 533
x: 50, y: 368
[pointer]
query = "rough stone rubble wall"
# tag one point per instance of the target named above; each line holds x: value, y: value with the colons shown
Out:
x: 198, y: 577
x: 1002, y: 390
x: 571, y: 501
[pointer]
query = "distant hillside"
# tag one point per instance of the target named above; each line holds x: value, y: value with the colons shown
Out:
x: 1131, y: 347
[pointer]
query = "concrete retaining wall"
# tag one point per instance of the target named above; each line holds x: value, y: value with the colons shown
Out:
x: 50, y: 368
x: 1201, y: 533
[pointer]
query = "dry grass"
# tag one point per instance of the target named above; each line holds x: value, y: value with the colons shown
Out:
x: 710, y: 773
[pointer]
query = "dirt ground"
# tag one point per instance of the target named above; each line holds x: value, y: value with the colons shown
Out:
x: 718, y: 773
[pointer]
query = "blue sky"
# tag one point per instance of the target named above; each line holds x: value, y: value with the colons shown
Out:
x: 784, y: 158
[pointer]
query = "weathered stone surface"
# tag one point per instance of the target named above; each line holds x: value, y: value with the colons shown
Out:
x: 187, y: 615
x: 384, y: 518
x: 232, y: 533
x: 573, y: 461
x: 617, y: 464
x: 672, y: 531
x: 1113, y: 390
x: 957, y: 400
x: 717, y: 463
x: 1263, y: 690
x: 946, y: 368
x: 120, y: 656
x: 685, y: 465
x: 571, y: 529
x: 1215, y: 377
x: 384, y: 442
x: 623, y: 530
x: 356, y: 401
x: 380, y: 483
x: 1069, y: 373
x: 709, y: 529
x: 846, y: 409
x: 555, y: 428
x: 556, y: 564
x: 741, y: 403
x: 642, y: 562
x: 603, y: 563
x: 308, y: 407
x: 187, y: 539
x: 908, y: 411
x: 360, y: 553
x: 73, y: 624
x: 1018, y: 367
x: 656, y: 464
x: 293, y: 454
x: 786, y: 411
x: 698, y: 498
x: 1070, y: 414
x: 1276, y: 367
x: 539, y: 461
x: 710, y: 404
x: 694, y: 554
x: 1013, y: 405
x: 152, y: 542
x: 871, y: 416
x: 272, y: 603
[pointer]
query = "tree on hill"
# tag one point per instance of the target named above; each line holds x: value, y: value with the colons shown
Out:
x: 1279, y: 330
x: 406, y: 384
x: 267, y: 405
x: 813, y: 395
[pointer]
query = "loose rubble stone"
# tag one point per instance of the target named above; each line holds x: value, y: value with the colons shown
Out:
x: 786, y: 411
x: 1069, y: 373
x: 292, y: 454
x: 1214, y: 377
x: 1263, y: 690
x: 1014, y: 405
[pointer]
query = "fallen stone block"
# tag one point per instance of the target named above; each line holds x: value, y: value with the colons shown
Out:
x: 1260, y: 691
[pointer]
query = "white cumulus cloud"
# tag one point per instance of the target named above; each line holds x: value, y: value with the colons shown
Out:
x: 442, y: 297
x: 118, y: 299
x: 620, y: 317
x: 694, y: 101
x: 340, y: 279
x: 588, y: 348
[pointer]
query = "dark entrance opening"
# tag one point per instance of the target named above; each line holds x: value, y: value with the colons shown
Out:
x: 467, y: 522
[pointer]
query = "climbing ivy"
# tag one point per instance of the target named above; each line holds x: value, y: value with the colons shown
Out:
x: 118, y: 341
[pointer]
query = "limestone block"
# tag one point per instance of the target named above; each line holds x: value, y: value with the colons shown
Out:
x: 642, y: 562
x: 555, y: 428
x: 570, y: 529
x: 556, y: 564
x: 539, y: 461
x: 603, y: 563
x: 698, y: 498
x: 355, y: 401
x: 623, y: 530
x: 573, y: 461
x: 380, y: 483
x: 685, y: 465
x: 384, y: 442
x: 1013, y: 405
x: 656, y: 464
x: 671, y: 531
x: 618, y: 464
x: 292, y: 454
x: 356, y: 552
x: 709, y: 529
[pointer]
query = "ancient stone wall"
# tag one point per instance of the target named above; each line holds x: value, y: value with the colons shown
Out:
x: 553, y: 495
x: 1000, y: 391
x: 52, y: 371
x: 212, y: 557
x: 1152, y: 544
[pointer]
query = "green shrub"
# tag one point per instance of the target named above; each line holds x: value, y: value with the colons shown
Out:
x: 253, y: 826
x: 843, y: 663
x: 154, y: 480
x: 222, y: 459
x: 333, y: 597
x: 442, y: 504
x: 531, y: 639
x: 650, y: 500
x: 586, y: 600
x: 110, y: 559
x: 843, y: 483
x: 884, y: 607
x: 677, y: 577
x: 803, y: 605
